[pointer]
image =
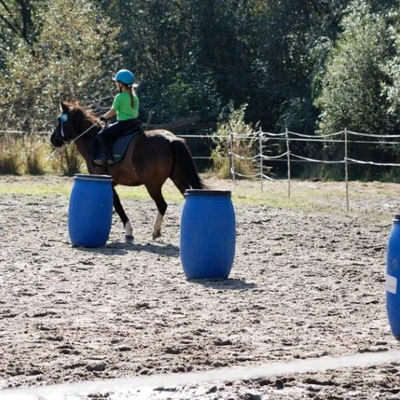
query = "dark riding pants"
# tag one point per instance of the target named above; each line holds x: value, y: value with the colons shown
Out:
x: 110, y: 133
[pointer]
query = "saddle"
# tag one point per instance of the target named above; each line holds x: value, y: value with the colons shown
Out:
x: 118, y: 146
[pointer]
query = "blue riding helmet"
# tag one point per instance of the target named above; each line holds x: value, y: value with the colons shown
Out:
x: 125, y: 76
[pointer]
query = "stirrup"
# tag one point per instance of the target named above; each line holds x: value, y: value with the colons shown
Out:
x: 100, y: 162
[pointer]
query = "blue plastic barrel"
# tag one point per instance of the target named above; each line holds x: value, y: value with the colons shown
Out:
x: 392, y: 277
x: 208, y: 234
x: 90, y: 210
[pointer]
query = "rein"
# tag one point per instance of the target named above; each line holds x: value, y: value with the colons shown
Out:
x: 55, y: 152
x: 87, y: 130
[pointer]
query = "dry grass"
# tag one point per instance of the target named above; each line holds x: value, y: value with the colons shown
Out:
x: 372, y: 199
x: 31, y: 154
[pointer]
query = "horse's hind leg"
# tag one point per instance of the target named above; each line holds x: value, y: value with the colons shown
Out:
x: 124, y: 218
x: 156, y: 194
x: 180, y: 184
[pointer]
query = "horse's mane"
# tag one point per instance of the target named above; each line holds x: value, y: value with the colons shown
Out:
x: 88, y: 114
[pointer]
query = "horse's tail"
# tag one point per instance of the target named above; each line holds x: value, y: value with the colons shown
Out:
x: 184, y: 173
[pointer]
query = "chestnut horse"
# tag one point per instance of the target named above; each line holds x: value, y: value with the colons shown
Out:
x: 150, y: 159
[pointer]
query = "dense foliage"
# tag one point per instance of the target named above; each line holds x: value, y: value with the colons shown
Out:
x: 308, y: 65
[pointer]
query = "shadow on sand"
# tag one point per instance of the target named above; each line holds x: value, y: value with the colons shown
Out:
x: 225, y: 284
x: 122, y: 248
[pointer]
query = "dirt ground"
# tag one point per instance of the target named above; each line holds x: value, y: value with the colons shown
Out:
x: 304, y: 284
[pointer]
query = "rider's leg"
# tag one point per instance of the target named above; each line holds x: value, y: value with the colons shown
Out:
x: 106, y: 134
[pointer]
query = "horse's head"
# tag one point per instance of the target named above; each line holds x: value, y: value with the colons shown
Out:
x: 72, y: 121
x: 63, y: 132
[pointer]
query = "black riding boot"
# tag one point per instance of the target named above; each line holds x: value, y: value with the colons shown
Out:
x: 106, y: 148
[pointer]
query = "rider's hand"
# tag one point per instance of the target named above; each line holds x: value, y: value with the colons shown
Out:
x: 103, y: 119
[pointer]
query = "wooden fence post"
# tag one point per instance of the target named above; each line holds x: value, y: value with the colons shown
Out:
x: 261, y: 162
x: 346, y: 170
x: 231, y: 158
x: 288, y: 160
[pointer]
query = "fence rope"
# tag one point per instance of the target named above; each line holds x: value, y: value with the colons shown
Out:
x: 268, y: 178
x: 257, y: 175
x: 256, y: 135
x: 373, y: 135
x: 274, y: 157
x: 373, y: 163
x: 289, y: 136
x: 313, y: 136
x: 245, y: 158
x: 317, y: 161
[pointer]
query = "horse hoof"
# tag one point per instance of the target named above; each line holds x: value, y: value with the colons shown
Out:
x: 129, y: 238
x: 156, y: 235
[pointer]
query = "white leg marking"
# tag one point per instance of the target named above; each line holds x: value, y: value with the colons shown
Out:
x: 128, y: 229
x: 157, y: 225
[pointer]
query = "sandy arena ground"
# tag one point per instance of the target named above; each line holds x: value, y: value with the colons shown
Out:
x: 305, y: 284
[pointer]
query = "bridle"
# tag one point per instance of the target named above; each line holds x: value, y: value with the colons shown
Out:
x: 61, y: 119
x: 64, y: 118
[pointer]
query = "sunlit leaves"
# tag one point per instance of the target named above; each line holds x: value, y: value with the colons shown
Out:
x: 72, y: 58
x: 17, y: 21
x: 352, y: 86
x: 392, y: 88
x: 195, y: 56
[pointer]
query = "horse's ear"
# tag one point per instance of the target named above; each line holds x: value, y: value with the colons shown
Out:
x: 64, y: 107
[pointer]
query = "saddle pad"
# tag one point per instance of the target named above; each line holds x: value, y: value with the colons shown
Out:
x: 118, y: 147
x: 121, y: 144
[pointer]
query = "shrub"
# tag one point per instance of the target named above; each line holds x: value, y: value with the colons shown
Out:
x: 242, y: 145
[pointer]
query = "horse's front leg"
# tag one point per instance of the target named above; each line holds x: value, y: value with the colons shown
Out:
x: 124, y: 218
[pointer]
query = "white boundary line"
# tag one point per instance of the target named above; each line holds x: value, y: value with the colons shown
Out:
x: 60, y: 391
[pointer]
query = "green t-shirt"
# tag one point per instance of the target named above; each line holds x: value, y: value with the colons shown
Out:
x: 122, y: 106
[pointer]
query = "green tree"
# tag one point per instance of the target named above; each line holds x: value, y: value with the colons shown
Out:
x: 263, y: 53
x: 158, y: 45
x: 392, y: 88
x: 266, y: 54
x: 72, y: 58
x: 17, y: 21
x: 351, y: 94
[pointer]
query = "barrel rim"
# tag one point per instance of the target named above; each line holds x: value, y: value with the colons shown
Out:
x: 207, y: 192
x: 94, y: 177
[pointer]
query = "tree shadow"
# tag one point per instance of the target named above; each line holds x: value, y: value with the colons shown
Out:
x: 225, y: 284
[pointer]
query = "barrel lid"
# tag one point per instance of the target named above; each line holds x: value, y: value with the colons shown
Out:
x: 207, y: 192
x: 396, y: 217
x: 94, y: 177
